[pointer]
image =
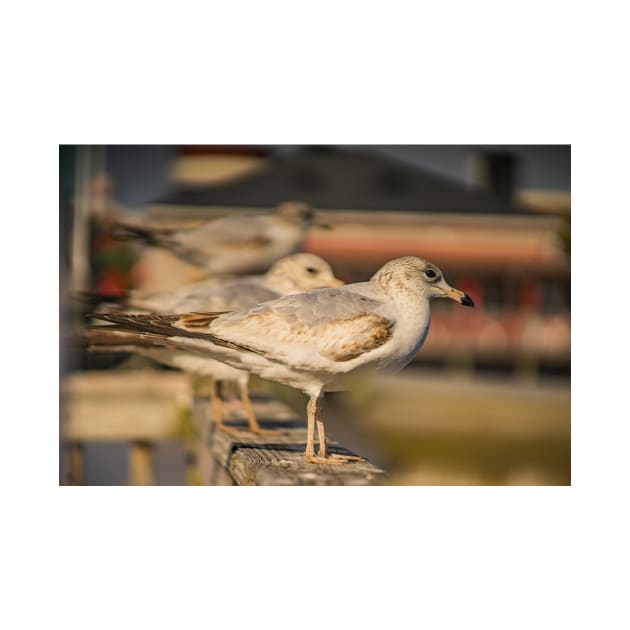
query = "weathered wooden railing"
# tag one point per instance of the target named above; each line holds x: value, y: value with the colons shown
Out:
x: 275, y: 459
x: 144, y: 407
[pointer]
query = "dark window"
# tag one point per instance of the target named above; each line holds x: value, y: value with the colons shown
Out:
x: 308, y: 179
x: 393, y: 181
x: 496, y: 172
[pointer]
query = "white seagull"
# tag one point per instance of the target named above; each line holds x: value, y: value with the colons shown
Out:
x: 234, y: 244
x: 314, y: 341
x: 299, y: 272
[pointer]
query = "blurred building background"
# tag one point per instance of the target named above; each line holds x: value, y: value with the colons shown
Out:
x: 487, y: 399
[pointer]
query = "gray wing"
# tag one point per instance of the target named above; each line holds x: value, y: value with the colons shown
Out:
x: 213, y: 295
x: 233, y: 233
x: 227, y: 235
x: 233, y: 296
x: 337, y: 324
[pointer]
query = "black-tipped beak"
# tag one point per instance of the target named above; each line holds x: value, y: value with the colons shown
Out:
x: 323, y: 226
x: 458, y: 296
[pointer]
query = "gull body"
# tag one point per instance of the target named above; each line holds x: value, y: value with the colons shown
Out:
x: 234, y: 244
x: 291, y: 274
x: 314, y: 341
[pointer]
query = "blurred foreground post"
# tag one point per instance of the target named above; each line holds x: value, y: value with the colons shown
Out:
x: 141, y: 463
x: 141, y: 407
x: 75, y: 465
x: 90, y: 162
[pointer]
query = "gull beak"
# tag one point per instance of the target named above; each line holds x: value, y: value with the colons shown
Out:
x: 323, y: 226
x: 337, y: 283
x: 458, y: 296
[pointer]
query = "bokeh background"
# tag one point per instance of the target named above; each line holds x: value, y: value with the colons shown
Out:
x: 487, y: 399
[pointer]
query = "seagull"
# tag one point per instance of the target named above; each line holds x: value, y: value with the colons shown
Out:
x: 291, y: 274
x: 234, y: 244
x: 317, y: 340
x: 298, y: 272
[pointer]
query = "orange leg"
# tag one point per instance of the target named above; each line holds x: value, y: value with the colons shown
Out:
x: 322, y: 457
x: 254, y: 427
x: 217, y: 407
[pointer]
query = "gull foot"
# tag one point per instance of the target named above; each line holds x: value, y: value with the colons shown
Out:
x: 334, y: 459
x: 348, y: 458
x: 261, y: 431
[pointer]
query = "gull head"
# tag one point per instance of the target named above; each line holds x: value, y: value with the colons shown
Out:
x: 296, y: 212
x: 418, y: 276
x: 301, y: 272
x: 300, y: 214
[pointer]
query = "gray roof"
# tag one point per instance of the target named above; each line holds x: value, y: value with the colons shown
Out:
x: 349, y: 179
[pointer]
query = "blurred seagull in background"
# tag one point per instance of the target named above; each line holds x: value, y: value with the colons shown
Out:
x: 233, y: 244
x: 292, y: 274
x: 315, y: 341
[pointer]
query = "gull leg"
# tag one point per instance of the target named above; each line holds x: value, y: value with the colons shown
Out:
x: 321, y: 434
x: 254, y: 427
x: 217, y: 406
x: 315, y: 418
x: 311, y: 410
x: 230, y: 399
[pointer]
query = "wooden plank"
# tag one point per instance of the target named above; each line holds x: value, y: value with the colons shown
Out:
x: 219, y: 476
x: 278, y: 460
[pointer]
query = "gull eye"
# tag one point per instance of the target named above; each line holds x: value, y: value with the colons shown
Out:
x: 430, y: 273
x: 311, y: 269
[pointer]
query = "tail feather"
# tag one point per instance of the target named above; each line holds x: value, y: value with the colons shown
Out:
x: 109, y: 336
x: 151, y: 235
x: 164, y: 238
x: 164, y: 326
